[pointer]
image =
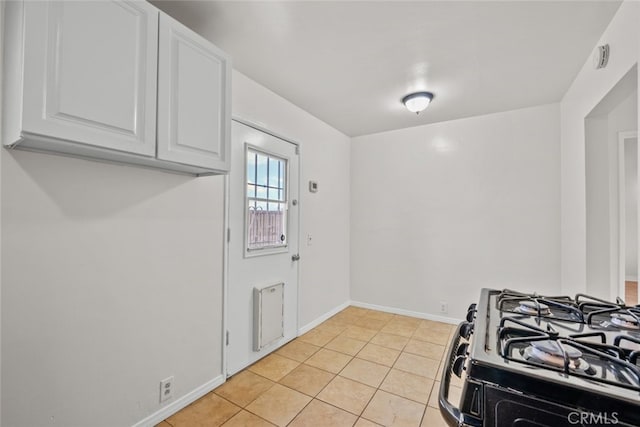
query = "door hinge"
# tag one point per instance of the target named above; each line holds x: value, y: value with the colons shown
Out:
x: 227, y: 338
x: 228, y: 235
x: 297, y: 149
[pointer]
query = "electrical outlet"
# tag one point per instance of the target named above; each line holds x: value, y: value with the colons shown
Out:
x: 444, y: 307
x: 309, y: 240
x: 166, y: 389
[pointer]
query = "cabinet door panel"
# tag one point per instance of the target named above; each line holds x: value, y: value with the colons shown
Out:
x: 193, y: 98
x: 93, y: 73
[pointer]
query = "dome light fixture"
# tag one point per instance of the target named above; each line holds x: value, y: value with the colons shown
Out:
x: 417, y: 101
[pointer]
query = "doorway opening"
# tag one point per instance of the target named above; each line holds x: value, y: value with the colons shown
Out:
x: 611, y: 171
x: 628, y: 209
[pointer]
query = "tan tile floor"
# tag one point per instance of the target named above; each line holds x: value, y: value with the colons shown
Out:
x: 360, y: 368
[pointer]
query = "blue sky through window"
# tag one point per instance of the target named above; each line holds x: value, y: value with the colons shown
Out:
x: 265, y: 181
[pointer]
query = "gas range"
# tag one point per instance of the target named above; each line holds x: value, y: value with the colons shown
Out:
x: 531, y: 360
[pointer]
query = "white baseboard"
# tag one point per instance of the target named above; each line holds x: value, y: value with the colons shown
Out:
x: 631, y: 279
x: 180, y: 403
x: 418, y: 314
x: 306, y: 328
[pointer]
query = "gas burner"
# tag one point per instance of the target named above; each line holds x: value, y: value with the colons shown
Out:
x: 533, y: 307
x: 625, y: 320
x: 550, y: 353
x: 618, y: 318
x: 559, y: 307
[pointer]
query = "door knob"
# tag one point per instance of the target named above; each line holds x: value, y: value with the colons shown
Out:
x: 295, y: 257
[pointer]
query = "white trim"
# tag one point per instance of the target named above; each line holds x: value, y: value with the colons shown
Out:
x: 403, y: 312
x: 631, y: 279
x: 299, y: 231
x: 180, y: 403
x: 306, y: 328
x: 263, y: 130
x: 225, y: 271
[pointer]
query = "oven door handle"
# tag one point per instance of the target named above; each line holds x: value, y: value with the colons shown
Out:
x: 451, y: 413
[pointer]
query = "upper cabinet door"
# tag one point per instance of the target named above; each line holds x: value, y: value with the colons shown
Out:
x: 90, y: 75
x: 194, y: 98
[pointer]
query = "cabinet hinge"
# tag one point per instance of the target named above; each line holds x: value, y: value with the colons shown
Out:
x: 227, y: 338
x: 228, y: 235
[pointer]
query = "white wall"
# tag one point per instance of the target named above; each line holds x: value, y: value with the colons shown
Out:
x: 598, y: 209
x: 111, y: 282
x: 440, y: 211
x: 324, y: 266
x: 589, y: 87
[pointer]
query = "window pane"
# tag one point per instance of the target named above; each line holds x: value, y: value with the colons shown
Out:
x: 273, y: 193
x: 261, y: 193
x: 274, y: 172
x: 251, y: 167
x: 266, y: 228
x: 281, y: 176
x: 261, y: 178
x: 251, y: 190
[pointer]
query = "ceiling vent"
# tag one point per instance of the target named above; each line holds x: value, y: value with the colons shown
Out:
x: 601, y: 57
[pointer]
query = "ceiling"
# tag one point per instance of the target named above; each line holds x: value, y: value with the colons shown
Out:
x: 349, y: 63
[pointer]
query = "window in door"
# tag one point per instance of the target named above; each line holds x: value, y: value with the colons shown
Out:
x: 266, y: 213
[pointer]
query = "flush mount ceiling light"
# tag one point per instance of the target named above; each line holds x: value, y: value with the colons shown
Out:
x: 418, y: 101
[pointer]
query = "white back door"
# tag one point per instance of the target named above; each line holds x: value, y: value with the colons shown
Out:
x: 262, y: 295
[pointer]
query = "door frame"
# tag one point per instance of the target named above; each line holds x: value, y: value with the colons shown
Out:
x: 620, y: 289
x: 225, y: 268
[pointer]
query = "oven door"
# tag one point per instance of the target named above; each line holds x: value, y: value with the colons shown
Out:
x: 509, y: 409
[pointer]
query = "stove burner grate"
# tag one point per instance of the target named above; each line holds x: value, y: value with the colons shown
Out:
x: 534, y: 346
x: 560, y: 307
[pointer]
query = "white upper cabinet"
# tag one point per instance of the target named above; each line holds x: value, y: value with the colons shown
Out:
x: 194, y: 87
x: 90, y: 73
x: 100, y: 79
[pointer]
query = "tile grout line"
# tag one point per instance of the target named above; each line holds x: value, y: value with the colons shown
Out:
x: 300, y: 411
x: 246, y: 410
x: 254, y: 414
